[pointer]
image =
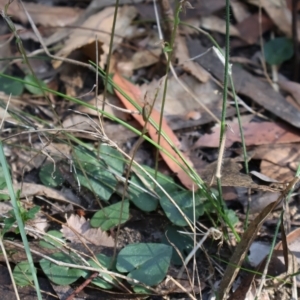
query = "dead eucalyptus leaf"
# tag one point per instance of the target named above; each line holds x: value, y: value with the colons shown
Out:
x: 232, y: 176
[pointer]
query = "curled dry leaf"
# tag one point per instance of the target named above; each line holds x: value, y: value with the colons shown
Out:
x: 102, y: 22
x: 135, y: 94
x: 42, y: 14
x: 79, y: 228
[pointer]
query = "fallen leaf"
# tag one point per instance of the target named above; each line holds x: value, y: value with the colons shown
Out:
x: 79, y: 228
x: 43, y: 14
x: 214, y: 23
x: 280, y: 15
x: 140, y: 59
x: 190, y: 66
x: 102, y: 22
x: 240, y: 10
x: 269, y: 133
x: 231, y: 176
x: 249, y: 27
x: 33, y: 189
x: 179, y: 101
x: 278, y: 161
x: 282, y: 174
x: 135, y: 94
x: 291, y: 87
x: 247, y: 84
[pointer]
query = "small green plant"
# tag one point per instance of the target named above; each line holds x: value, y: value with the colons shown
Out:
x: 25, y: 216
x: 278, y: 50
x: 22, y: 274
x: 12, y: 87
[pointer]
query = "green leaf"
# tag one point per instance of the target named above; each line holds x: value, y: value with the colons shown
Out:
x: 139, y: 289
x: 182, y: 242
x: 143, y: 200
x: 278, y: 50
x: 167, y: 182
x: 106, y: 263
x: 59, y: 274
x: 8, y: 223
x: 50, y: 177
x: 10, y: 86
x: 109, y: 216
x: 30, y: 79
x: 147, y: 263
x: 112, y: 158
x: 232, y: 217
x: 22, y: 274
x: 30, y: 214
x: 50, y: 243
x: 184, y: 199
x: 99, y: 179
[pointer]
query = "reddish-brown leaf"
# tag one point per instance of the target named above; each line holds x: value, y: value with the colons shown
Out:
x: 135, y: 94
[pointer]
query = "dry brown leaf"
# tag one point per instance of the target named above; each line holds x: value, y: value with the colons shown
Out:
x: 188, y: 65
x: 291, y: 87
x: 240, y: 10
x: 178, y: 101
x: 102, y: 22
x: 249, y: 27
x: 255, y: 134
x: 280, y: 15
x: 282, y: 174
x: 135, y: 94
x: 79, y: 228
x: 278, y: 161
x: 43, y: 14
x: 247, y: 84
x: 214, y: 23
x: 231, y: 176
x: 33, y: 189
x: 140, y: 59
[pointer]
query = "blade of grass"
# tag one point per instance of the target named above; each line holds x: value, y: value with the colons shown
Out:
x: 19, y: 219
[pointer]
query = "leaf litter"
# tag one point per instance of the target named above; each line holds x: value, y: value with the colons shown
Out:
x: 82, y: 185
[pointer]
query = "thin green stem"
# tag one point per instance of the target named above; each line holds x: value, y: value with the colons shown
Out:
x: 20, y: 222
x: 170, y: 51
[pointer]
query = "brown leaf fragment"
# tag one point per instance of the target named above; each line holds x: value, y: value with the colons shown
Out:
x: 102, y: 22
x: 249, y: 27
x: 255, y: 133
x: 231, y: 176
x: 188, y: 65
x: 291, y: 87
x: 78, y: 228
x: 43, y: 14
x: 280, y: 15
x: 214, y: 23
